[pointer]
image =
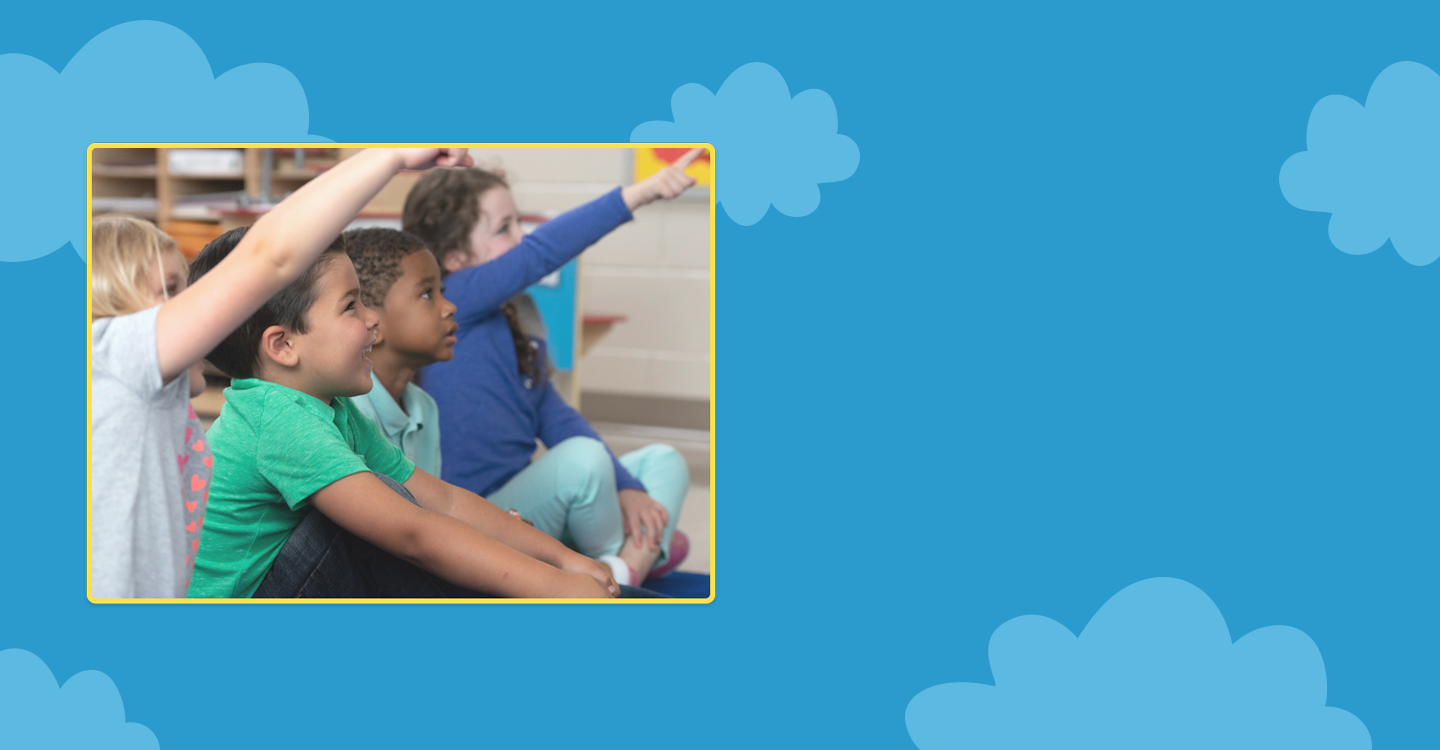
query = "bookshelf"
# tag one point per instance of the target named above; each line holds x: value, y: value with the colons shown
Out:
x: 186, y: 192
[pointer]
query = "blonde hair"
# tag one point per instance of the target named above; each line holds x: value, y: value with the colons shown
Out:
x: 124, y: 252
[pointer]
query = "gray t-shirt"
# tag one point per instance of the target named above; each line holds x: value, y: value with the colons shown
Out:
x: 151, y: 466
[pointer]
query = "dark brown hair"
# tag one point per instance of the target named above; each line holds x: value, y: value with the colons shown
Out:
x: 442, y: 210
x: 239, y: 354
x: 377, y: 254
x: 444, y: 206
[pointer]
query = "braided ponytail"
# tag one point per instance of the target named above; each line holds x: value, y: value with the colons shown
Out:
x: 526, y: 354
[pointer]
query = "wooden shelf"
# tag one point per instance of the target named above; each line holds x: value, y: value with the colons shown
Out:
x: 291, y: 174
x: 143, y: 213
x: 594, y: 327
x: 236, y: 176
x: 145, y: 173
x: 136, y: 171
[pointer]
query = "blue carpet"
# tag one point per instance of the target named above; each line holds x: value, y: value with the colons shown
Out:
x: 682, y: 585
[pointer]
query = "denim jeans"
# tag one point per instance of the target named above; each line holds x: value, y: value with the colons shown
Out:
x: 323, y: 561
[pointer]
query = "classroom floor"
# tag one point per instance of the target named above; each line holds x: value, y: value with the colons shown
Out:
x: 695, y: 522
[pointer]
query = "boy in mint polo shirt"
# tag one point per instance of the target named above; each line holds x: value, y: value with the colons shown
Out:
x: 400, y: 282
x: 309, y: 499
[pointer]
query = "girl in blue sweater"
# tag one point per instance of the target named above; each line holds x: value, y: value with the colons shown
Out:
x: 495, y: 397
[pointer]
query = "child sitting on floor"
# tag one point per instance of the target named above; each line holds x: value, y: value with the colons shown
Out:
x: 295, y: 509
x: 151, y: 495
x: 400, y: 283
x: 495, y: 397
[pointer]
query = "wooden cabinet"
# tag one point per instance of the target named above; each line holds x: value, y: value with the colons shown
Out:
x: 186, y: 194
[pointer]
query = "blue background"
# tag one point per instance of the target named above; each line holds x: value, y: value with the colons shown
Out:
x: 1060, y: 332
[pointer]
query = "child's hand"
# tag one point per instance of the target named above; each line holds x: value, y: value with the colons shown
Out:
x: 641, y: 510
x: 581, y: 586
x: 516, y: 514
x: 425, y: 158
x: 599, y: 572
x: 667, y: 183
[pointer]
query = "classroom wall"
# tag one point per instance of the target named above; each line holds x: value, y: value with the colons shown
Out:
x: 654, y: 270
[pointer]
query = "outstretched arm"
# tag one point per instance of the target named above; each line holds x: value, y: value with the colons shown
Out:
x: 445, y: 546
x: 281, y: 245
x: 480, y: 290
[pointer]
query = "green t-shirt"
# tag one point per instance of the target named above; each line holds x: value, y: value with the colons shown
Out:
x: 274, y: 447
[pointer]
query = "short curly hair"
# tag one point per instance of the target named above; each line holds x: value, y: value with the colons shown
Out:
x: 377, y: 253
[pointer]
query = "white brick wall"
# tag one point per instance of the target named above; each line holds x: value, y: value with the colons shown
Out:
x: 654, y: 270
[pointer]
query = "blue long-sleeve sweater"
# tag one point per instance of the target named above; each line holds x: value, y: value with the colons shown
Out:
x: 490, y: 414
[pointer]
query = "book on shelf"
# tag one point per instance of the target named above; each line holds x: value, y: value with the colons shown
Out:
x: 206, y: 162
x: 122, y: 203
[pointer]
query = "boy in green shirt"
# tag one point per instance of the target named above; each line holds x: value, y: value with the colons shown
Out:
x: 289, y: 442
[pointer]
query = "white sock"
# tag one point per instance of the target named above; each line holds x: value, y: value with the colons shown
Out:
x: 619, y: 568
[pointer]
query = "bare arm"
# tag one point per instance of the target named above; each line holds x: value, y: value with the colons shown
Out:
x: 463, y: 505
x: 455, y: 551
x: 281, y: 245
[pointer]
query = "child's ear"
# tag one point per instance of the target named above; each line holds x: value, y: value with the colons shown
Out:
x: 453, y: 262
x: 275, y: 343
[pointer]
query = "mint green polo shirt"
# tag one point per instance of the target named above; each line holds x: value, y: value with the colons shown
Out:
x: 415, y: 430
x: 274, y: 447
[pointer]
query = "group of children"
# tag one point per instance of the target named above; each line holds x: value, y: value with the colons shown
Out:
x: 330, y: 472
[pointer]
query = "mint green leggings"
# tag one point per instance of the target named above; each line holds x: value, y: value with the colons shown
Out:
x: 570, y: 493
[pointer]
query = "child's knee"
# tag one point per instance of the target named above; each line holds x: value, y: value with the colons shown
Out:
x: 663, y: 458
x: 584, y: 454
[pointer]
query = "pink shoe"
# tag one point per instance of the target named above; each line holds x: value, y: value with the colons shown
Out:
x: 679, y: 549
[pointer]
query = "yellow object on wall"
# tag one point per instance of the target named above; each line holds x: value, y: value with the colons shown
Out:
x: 648, y: 161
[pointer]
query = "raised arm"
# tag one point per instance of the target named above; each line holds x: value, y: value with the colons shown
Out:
x: 447, y: 547
x: 480, y: 290
x: 281, y: 245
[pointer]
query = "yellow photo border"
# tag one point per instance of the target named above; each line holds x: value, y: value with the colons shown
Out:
x: 89, y: 370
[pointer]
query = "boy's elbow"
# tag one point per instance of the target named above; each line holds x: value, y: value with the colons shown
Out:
x: 421, y: 540
x: 411, y: 541
x: 405, y: 538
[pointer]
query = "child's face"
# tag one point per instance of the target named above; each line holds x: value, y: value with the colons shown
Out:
x: 166, y: 278
x: 331, y: 354
x: 416, y: 320
x: 495, y: 233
